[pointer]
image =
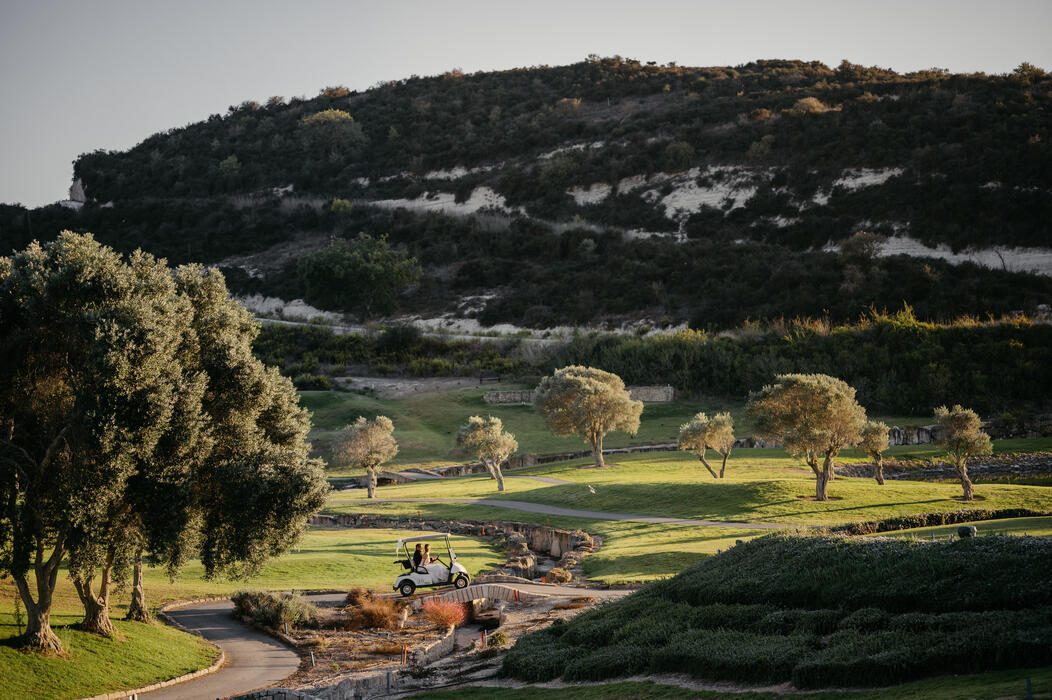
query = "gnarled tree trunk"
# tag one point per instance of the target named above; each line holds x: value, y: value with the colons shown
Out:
x: 137, y: 609
x: 701, y: 456
x: 370, y: 483
x: 597, y: 451
x: 38, y: 635
x: 496, y: 473
x: 723, y: 467
x: 966, y: 483
x: 96, y: 607
x: 878, y: 470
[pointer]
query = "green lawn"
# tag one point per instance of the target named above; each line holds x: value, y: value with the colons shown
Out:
x: 144, y: 654
x: 986, y: 686
x: 762, y: 485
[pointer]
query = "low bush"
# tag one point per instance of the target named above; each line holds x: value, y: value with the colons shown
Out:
x: 358, y: 596
x: 733, y: 656
x: 908, y: 522
x: 609, y: 662
x: 558, y: 575
x: 375, y: 613
x: 444, y: 613
x: 497, y: 639
x: 273, y: 610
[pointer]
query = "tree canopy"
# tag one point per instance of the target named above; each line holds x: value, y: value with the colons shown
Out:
x: 960, y: 431
x: 813, y: 415
x: 367, y: 444
x: 873, y: 440
x: 587, y: 402
x: 702, y: 433
x: 487, y: 440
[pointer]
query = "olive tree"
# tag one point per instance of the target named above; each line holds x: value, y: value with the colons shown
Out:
x: 489, y: 442
x: 813, y: 415
x: 587, y: 402
x: 367, y: 444
x: 873, y: 440
x: 115, y: 437
x: 703, y: 433
x: 960, y: 431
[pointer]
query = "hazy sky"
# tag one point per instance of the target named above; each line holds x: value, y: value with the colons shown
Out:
x: 79, y: 76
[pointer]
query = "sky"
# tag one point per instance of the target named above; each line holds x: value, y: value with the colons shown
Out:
x: 105, y: 74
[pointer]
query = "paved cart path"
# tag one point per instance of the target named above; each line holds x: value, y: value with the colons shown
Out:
x: 575, y: 513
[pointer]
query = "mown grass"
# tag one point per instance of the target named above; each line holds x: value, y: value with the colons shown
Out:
x: 426, y: 425
x: 337, y: 558
x: 987, y: 686
x: 762, y: 486
x: 821, y: 612
x: 142, y: 655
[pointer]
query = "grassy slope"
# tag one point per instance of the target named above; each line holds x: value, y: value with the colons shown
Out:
x: 145, y: 654
x: 326, y: 558
x: 426, y: 425
x: 1040, y: 527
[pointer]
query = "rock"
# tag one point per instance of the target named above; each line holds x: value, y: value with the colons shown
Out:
x: 967, y: 531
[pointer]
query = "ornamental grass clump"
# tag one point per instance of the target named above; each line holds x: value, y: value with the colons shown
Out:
x: 444, y: 613
x: 274, y: 610
x: 364, y: 610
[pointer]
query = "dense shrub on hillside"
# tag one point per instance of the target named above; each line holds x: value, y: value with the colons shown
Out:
x: 895, y: 362
x: 906, y: 522
x: 818, y: 611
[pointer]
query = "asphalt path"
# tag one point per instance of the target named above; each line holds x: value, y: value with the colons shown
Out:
x: 575, y: 513
x: 253, y: 659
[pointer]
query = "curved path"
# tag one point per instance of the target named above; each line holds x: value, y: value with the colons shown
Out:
x: 574, y: 513
x: 253, y: 659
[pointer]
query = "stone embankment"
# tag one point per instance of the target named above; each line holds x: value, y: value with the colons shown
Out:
x: 646, y: 394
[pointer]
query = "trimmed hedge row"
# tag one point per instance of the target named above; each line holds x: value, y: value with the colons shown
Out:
x: 908, y: 522
x: 974, y: 608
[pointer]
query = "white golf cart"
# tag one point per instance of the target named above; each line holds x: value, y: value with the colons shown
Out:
x: 438, y: 573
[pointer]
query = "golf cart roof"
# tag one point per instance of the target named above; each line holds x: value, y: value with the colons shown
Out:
x: 417, y: 538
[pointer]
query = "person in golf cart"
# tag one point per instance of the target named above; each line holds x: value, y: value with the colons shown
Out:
x: 431, y: 570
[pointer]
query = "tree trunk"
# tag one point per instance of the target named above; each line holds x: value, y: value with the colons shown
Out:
x: 723, y: 467
x: 137, y: 609
x: 370, y: 483
x: 38, y: 636
x: 878, y: 470
x: 597, y: 451
x: 706, y: 463
x: 96, y: 608
x: 822, y: 479
x: 499, y: 476
x: 966, y: 483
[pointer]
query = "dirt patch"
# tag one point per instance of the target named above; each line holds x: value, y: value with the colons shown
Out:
x: 973, y: 499
x: 828, y: 498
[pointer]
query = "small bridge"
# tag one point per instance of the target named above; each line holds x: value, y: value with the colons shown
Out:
x: 490, y: 591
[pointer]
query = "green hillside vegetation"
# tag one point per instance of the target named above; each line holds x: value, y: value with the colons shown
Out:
x: 966, y: 158
x: 819, y: 612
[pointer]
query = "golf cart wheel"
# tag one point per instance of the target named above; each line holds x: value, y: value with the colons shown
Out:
x: 460, y: 581
x: 407, y: 588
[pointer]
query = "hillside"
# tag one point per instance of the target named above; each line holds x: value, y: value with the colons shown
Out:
x: 612, y: 189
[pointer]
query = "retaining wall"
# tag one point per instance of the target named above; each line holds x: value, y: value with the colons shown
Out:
x: 646, y: 394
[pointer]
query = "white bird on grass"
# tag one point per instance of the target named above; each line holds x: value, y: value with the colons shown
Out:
x: 590, y: 488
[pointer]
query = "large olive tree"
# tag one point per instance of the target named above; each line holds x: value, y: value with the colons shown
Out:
x: 489, y: 442
x: 128, y: 404
x: 702, y: 433
x: 367, y: 444
x: 587, y: 402
x: 960, y: 431
x: 813, y: 415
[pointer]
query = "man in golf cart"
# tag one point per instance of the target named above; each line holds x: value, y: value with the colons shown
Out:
x: 423, y: 569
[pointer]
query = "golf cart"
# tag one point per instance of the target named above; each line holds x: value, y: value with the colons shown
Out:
x: 437, y: 574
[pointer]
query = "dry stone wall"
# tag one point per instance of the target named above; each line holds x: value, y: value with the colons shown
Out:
x: 646, y: 394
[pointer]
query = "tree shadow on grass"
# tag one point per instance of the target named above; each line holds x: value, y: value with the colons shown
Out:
x: 636, y: 565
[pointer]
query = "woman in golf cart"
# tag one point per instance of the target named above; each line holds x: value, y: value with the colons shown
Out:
x: 423, y: 569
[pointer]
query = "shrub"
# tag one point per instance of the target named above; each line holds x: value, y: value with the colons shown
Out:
x: 274, y: 609
x: 444, y: 613
x: 358, y: 596
x: 375, y: 613
x: 558, y: 575
x: 609, y: 662
x: 497, y: 639
x: 317, y: 382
